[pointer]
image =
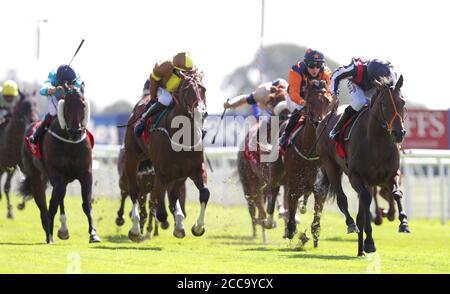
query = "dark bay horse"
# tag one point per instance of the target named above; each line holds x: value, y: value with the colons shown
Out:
x: 174, y: 161
x: 11, y: 135
x: 145, y: 178
x: 372, y: 159
x: 66, y: 156
x: 302, y: 163
x: 261, y: 180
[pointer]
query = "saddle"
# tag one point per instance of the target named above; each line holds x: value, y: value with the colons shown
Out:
x: 346, y: 132
x: 297, y: 129
x: 150, y: 125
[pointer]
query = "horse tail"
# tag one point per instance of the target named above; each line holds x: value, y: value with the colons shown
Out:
x: 25, y: 186
x: 323, y: 185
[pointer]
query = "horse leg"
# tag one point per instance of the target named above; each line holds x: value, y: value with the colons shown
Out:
x: 378, y: 211
x: 387, y: 195
x: 302, y: 204
x: 177, y: 212
x: 123, y: 196
x: 142, y: 210
x: 363, y: 218
x: 38, y: 188
x: 131, y: 164
x: 200, y: 181
x: 270, y: 223
x: 398, y: 196
x: 262, y: 214
x: 252, y: 211
x: 63, y: 231
x: 291, y: 228
x: 7, y: 188
x: 86, y: 194
x: 334, y: 174
x: 319, y: 201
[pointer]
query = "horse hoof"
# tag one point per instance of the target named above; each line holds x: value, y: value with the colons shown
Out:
x: 20, y: 206
x: 404, y: 228
x: 197, y: 231
x: 303, y: 239
x: 165, y: 225
x: 369, y: 247
x: 10, y: 215
x: 352, y: 229
x: 316, y: 243
x: 135, y: 237
x: 94, y: 238
x: 50, y: 240
x: 63, y: 235
x: 361, y: 254
x: 270, y: 225
x: 378, y: 221
x: 391, y: 218
x: 180, y: 234
x: 290, y: 235
x: 120, y: 221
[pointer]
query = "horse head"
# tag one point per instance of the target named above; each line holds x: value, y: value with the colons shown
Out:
x: 25, y: 109
x: 190, y: 96
x: 317, y: 102
x: 73, y: 113
x: 388, y: 107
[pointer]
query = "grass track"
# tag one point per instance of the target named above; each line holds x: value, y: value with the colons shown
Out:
x: 226, y: 246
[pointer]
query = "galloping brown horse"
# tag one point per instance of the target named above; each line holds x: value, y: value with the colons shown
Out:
x: 172, y: 165
x: 261, y: 181
x: 372, y: 158
x: 11, y: 136
x: 145, y: 178
x: 66, y: 156
x: 301, y: 161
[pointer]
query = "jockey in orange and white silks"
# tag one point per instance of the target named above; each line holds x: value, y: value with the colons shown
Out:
x: 8, y: 99
x: 360, y: 74
x: 312, y: 67
x: 64, y: 75
x: 163, y: 81
x: 262, y: 95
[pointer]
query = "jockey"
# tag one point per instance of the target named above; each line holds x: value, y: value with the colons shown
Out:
x: 312, y: 67
x: 63, y: 75
x: 9, y: 98
x: 361, y: 74
x: 164, y: 80
x: 263, y: 94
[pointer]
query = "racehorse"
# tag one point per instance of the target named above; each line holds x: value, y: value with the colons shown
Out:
x: 11, y: 135
x: 301, y: 161
x: 260, y: 180
x: 372, y: 158
x: 145, y: 177
x: 173, y: 161
x: 66, y: 155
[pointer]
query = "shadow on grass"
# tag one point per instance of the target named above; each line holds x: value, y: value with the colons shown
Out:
x: 22, y: 244
x: 339, y: 239
x: 232, y: 237
x: 127, y: 248
x: 117, y: 239
x: 322, y: 257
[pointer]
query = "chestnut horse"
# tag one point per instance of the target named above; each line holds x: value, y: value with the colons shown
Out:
x: 11, y: 135
x: 173, y: 161
x: 66, y: 156
x: 373, y: 158
x: 145, y: 177
x: 302, y: 163
x: 261, y: 181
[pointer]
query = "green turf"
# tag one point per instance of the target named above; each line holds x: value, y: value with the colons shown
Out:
x: 226, y: 246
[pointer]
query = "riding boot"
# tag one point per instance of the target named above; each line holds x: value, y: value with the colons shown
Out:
x: 290, y: 126
x: 154, y: 109
x: 39, y: 132
x: 348, y: 113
